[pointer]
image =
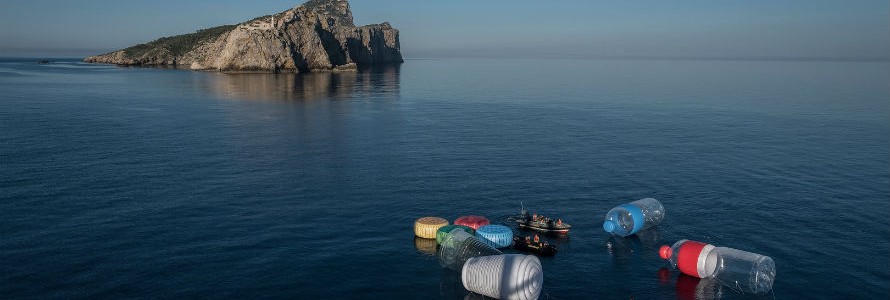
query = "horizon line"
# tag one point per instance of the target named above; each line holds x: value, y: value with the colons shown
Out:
x: 572, y: 57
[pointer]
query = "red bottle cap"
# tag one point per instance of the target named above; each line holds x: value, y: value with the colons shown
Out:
x: 665, y: 252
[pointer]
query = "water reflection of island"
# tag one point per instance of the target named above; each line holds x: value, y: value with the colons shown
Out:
x: 373, y: 81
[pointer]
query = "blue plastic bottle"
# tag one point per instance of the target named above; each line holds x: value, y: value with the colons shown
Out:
x: 630, y: 218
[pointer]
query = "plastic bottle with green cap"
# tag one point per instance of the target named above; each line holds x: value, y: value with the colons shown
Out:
x: 457, y: 246
x: 630, y: 218
x: 444, y: 230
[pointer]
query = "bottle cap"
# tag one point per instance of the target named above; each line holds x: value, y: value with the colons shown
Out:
x: 609, y: 226
x: 426, y: 227
x: 497, y: 236
x: 472, y: 221
x: 665, y: 252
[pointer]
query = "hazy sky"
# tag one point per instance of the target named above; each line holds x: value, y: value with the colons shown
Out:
x: 706, y: 28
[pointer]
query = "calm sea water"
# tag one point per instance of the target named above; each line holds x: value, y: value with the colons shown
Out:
x: 150, y: 183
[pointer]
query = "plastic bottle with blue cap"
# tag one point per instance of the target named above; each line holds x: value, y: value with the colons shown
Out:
x: 630, y: 218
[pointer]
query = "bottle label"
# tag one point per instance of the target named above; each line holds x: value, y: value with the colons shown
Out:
x: 692, y: 259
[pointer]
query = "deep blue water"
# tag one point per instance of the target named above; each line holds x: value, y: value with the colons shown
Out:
x: 151, y: 183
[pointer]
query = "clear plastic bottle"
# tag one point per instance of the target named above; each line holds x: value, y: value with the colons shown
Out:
x: 630, y: 218
x: 745, y: 271
x: 739, y: 270
x: 458, y: 246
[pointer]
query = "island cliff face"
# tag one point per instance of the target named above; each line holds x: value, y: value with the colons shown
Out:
x: 318, y: 35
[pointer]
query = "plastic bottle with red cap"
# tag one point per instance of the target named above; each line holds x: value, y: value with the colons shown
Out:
x: 740, y: 270
x: 630, y: 218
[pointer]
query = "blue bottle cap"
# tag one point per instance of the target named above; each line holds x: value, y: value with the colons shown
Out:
x: 609, y: 226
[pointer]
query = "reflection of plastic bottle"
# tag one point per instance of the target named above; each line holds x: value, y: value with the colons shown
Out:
x: 742, y: 271
x: 450, y: 286
x: 630, y: 218
x: 650, y: 238
x: 458, y: 246
x: 691, y: 288
x: 622, y: 248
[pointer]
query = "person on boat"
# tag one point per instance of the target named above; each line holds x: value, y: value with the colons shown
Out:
x: 537, y: 239
x: 559, y: 221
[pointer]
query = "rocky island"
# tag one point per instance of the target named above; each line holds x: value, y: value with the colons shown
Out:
x: 318, y: 35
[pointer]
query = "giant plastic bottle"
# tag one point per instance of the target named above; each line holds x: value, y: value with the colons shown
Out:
x: 740, y: 270
x: 630, y: 218
x: 458, y: 246
x: 505, y: 276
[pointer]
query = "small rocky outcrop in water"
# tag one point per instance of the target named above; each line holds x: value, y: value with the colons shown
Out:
x: 318, y: 35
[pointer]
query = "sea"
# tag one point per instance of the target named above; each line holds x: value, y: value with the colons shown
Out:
x: 147, y: 183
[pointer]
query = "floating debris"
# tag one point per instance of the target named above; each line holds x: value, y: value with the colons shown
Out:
x: 497, y: 236
x: 444, y: 230
x: 506, y: 276
x: 472, y: 221
x: 426, y: 227
x: 630, y: 218
x: 740, y: 270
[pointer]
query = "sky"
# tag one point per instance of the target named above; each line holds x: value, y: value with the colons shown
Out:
x: 850, y: 29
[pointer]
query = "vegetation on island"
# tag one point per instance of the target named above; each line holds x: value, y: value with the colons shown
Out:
x: 179, y: 44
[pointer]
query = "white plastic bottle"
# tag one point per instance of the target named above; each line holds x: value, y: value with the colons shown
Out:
x: 739, y: 270
x: 505, y: 276
x: 630, y: 218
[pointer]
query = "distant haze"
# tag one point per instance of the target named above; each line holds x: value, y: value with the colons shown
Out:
x: 856, y: 29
